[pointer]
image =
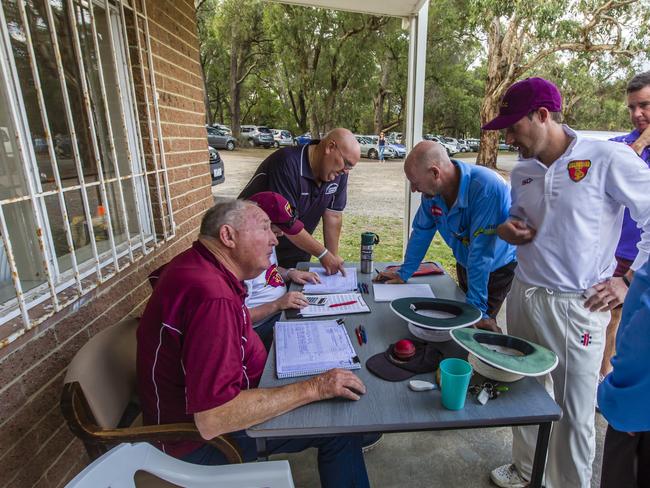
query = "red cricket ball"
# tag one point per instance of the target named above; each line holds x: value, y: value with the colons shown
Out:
x: 404, y: 349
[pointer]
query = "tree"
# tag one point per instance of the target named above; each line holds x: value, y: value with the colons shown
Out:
x: 236, y: 28
x: 520, y: 35
x: 453, y: 89
x: 324, y: 56
x: 391, y: 55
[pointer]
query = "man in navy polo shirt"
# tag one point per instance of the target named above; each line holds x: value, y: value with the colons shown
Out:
x: 465, y: 203
x: 199, y: 360
x: 314, y: 179
x: 638, y: 104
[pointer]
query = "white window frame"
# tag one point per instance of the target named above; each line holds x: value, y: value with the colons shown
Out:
x: 25, y: 311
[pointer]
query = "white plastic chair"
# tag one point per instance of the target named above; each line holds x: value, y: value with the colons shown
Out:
x: 117, y: 468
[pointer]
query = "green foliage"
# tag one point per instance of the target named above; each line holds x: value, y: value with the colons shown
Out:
x: 314, y: 69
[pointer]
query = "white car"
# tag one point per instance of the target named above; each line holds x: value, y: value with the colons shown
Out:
x: 449, y: 147
x: 370, y: 148
x: 282, y: 137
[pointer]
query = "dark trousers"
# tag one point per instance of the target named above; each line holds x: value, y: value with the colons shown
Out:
x: 626, y: 460
x: 340, y: 460
x: 289, y: 255
x: 499, y: 285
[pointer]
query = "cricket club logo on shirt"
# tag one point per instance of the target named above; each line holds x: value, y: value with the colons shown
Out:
x: 331, y: 188
x: 273, y: 277
x: 585, y: 339
x: 578, y: 169
x: 436, y: 211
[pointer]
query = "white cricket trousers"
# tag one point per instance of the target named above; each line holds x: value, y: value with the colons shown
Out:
x: 560, y: 322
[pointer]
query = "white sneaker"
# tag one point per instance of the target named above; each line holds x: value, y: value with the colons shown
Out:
x: 507, y: 476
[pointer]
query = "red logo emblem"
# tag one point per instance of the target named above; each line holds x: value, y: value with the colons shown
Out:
x: 273, y: 277
x: 585, y: 339
x: 578, y: 169
x: 436, y: 211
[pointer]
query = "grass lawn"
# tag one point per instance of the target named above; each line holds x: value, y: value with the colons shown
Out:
x: 389, y: 248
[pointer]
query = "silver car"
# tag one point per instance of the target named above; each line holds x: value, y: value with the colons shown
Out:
x: 220, y: 140
x: 370, y: 148
x: 282, y: 137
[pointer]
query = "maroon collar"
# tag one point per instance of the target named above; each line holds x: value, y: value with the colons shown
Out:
x: 237, y: 285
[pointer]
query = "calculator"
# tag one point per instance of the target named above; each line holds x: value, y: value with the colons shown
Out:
x: 318, y: 301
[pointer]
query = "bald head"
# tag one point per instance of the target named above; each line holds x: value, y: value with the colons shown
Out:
x: 336, y: 154
x: 345, y: 141
x: 426, y: 154
x: 429, y: 169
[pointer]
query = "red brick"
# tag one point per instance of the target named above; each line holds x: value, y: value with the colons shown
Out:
x: 11, y: 398
x: 25, y: 357
x: 33, y: 366
x: 73, y: 455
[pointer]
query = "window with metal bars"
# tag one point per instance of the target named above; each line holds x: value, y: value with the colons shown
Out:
x: 83, y: 179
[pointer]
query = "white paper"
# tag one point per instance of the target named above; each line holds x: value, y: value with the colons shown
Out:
x: 358, y: 306
x: 336, y: 283
x: 388, y: 293
x: 303, y: 348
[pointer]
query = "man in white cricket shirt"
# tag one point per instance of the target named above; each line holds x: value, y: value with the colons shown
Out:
x: 568, y: 197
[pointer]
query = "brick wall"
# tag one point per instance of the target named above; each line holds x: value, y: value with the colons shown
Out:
x: 36, y: 447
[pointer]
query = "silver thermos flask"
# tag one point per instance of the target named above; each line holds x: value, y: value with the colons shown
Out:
x: 368, y: 241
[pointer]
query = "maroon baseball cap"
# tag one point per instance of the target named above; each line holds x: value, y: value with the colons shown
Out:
x: 279, y: 211
x: 522, y: 98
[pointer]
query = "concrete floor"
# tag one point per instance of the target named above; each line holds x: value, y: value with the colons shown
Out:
x: 444, y: 459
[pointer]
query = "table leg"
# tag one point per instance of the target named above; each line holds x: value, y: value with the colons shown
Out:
x: 260, y: 443
x: 539, y: 462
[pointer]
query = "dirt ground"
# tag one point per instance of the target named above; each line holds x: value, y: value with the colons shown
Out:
x: 374, y: 189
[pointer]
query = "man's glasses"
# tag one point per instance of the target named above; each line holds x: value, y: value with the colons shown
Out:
x: 347, y: 165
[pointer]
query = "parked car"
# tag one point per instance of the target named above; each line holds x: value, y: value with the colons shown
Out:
x: 450, y: 148
x: 302, y: 139
x: 394, y: 138
x: 463, y: 145
x: 474, y: 144
x: 220, y: 140
x: 257, y: 135
x: 223, y: 128
x: 282, y: 138
x: 506, y: 147
x: 216, y: 167
x: 370, y: 148
x: 400, y: 150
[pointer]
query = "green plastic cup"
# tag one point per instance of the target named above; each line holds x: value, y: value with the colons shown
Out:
x: 454, y: 381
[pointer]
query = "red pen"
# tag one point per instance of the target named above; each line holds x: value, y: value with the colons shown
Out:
x: 357, y: 332
x: 342, y: 304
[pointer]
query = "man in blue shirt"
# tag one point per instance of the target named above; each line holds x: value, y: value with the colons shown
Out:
x: 624, y: 395
x: 465, y: 203
x: 638, y: 104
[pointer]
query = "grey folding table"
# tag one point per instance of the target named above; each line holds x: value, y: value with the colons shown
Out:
x: 392, y: 406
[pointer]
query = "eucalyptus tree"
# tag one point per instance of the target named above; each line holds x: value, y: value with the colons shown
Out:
x: 520, y: 35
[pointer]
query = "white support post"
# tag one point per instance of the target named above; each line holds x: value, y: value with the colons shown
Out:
x: 415, y: 103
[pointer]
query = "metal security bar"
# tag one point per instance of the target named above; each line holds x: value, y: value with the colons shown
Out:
x: 57, y: 287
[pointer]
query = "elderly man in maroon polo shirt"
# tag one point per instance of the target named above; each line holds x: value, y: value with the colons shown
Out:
x: 200, y: 360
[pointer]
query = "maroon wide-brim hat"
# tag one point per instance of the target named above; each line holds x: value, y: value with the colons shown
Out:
x: 279, y: 210
x: 524, y: 97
